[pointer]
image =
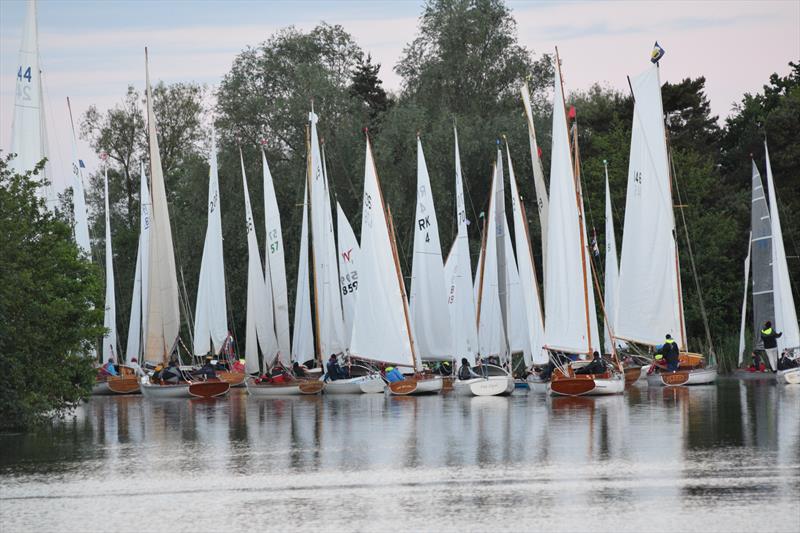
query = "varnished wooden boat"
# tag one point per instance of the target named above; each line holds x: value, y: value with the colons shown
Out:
x: 416, y: 386
x: 212, y: 388
x: 299, y: 387
x: 571, y: 384
x: 126, y: 383
x: 632, y: 374
x: 691, y: 371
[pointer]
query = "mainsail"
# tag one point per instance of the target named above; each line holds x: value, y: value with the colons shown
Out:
x: 570, y: 316
x: 381, y: 330
x: 303, y: 334
x: 650, y: 303
x: 611, y: 283
x: 542, y: 201
x: 458, y: 275
x: 761, y: 258
x: 785, y: 311
x: 259, y: 330
x: 211, y: 312
x: 349, y: 252
x: 110, y: 315
x: 78, y: 196
x: 534, y: 325
x: 275, y: 264
x: 430, y: 320
x: 28, y: 132
x: 139, y: 301
x: 162, y: 320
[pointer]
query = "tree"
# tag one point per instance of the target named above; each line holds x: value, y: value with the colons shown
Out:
x: 50, y: 308
x: 366, y: 86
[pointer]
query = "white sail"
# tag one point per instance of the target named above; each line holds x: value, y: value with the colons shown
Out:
x: 163, y: 312
x: 785, y: 311
x: 542, y: 201
x: 570, y: 317
x: 458, y: 275
x: 349, y: 252
x: 211, y: 312
x: 491, y: 332
x: 303, y: 334
x: 380, y: 327
x: 275, y: 265
x: 110, y: 315
x: 328, y: 303
x: 258, y: 329
x: 430, y: 320
x: 611, y: 282
x: 79, y: 197
x: 761, y: 258
x: 534, y: 324
x: 649, y: 304
x: 139, y: 300
x: 28, y: 132
x: 744, y: 301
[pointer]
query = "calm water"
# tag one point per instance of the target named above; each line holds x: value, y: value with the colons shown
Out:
x: 717, y: 458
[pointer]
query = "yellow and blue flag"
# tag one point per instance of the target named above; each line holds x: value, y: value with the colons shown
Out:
x: 657, y: 53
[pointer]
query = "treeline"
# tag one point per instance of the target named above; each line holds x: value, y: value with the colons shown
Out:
x: 464, y: 69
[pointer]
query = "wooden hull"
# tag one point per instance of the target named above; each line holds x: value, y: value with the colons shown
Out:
x: 632, y: 374
x: 115, y: 386
x: 296, y: 388
x: 788, y: 377
x: 372, y: 384
x: 447, y: 383
x: 489, y: 386
x: 236, y: 379
x: 416, y: 386
x: 699, y: 376
x: 209, y: 389
x: 198, y: 389
x: 586, y: 385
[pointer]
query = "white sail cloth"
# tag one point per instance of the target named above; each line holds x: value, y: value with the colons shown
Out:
x: 303, y: 334
x: 542, y: 201
x: 349, y: 252
x: 430, y: 319
x: 110, y: 316
x: 650, y: 303
x: 611, y: 282
x: 136, y: 323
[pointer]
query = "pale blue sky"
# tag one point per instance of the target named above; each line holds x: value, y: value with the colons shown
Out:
x: 91, y: 50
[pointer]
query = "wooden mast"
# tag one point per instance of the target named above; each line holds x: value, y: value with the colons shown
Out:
x: 483, y: 265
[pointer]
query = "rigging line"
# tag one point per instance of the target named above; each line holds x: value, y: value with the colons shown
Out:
x: 691, y: 255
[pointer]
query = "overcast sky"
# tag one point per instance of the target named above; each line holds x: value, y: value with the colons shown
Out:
x: 91, y: 51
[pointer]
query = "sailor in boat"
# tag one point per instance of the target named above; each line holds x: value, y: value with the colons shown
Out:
x: 465, y: 372
x: 393, y: 374
x: 446, y: 368
x: 171, y: 374
x: 787, y: 361
x: 108, y: 369
x: 134, y: 364
x: 278, y: 374
x: 239, y: 366
x: 597, y: 366
x: 208, y: 370
x: 299, y: 371
x: 757, y: 365
x: 335, y: 371
x: 670, y: 352
x: 769, y: 336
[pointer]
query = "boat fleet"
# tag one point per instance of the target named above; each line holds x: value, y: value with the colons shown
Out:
x: 351, y: 301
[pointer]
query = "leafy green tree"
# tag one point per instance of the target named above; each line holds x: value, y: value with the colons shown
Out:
x: 367, y: 87
x: 50, y: 308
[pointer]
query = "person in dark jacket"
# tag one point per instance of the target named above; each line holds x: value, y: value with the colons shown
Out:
x: 597, y: 366
x: 671, y: 353
x: 464, y: 371
x: 770, y: 336
x: 335, y: 371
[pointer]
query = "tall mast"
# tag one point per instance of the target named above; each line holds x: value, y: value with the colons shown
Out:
x: 390, y: 222
x: 313, y: 262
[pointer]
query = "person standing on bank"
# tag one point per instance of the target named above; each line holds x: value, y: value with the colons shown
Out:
x: 769, y: 336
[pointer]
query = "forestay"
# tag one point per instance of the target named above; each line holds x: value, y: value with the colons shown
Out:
x: 349, y: 252
x: 458, y: 275
x: 275, y: 264
x: 259, y: 329
x: 761, y: 254
x: 110, y: 315
x: 430, y: 320
x: 542, y: 201
x: 136, y: 324
x: 570, y: 317
x: 303, y: 334
x: 650, y: 304
x: 28, y: 132
x: 380, y: 326
x: 211, y: 312
x: 785, y: 311
x: 534, y: 325
x: 162, y: 320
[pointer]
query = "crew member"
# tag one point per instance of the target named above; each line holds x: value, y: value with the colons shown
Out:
x: 769, y: 336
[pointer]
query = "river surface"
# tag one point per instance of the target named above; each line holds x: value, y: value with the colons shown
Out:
x: 714, y: 458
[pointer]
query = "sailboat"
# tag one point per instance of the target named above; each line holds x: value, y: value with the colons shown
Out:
x: 28, y: 127
x: 126, y: 382
x: 382, y: 331
x: 162, y: 315
x: 493, y: 380
x: 650, y: 301
x: 771, y: 289
x: 570, y: 316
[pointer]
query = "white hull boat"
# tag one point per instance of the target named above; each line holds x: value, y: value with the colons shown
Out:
x: 372, y: 384
x: 196, y: 389
x: 415, y: 386
x: 595, y: 386
x: 700, y: 376
x: 537, y: 384
x: 295, y: 388
x: 488, y: 386
x: 788, y: 377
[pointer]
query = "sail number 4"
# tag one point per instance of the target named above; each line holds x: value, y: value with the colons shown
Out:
x: 24, y: 91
